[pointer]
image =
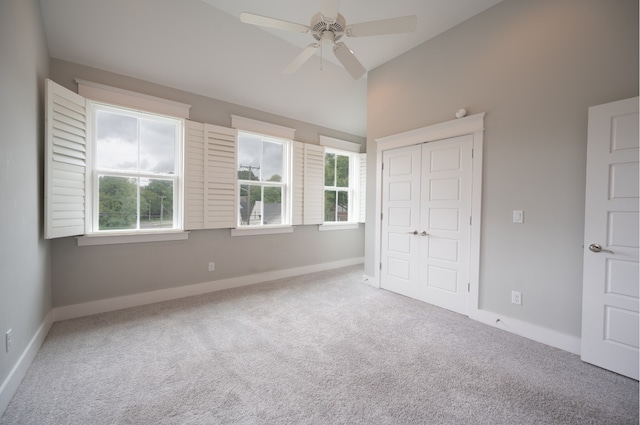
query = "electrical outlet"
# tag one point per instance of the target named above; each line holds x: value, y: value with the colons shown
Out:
x: 212, y: 266
x: 516, y: 297
x: 8, y: 341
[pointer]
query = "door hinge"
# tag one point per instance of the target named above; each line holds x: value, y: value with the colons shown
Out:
x: 380, y: 266
x: 469, y: 287
x: 470, y: 218
x: 471, y: 153
x: 381, y: 215
x: 383, y: 165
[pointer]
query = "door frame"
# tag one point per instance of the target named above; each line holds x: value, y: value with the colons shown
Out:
x: 472, y: 125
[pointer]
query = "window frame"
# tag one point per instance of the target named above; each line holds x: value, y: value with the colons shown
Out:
x: 285, y: 184
x: 94, y: 172
x: 352, y: 191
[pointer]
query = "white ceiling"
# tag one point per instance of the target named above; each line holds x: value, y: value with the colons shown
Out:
x: 201, y: 46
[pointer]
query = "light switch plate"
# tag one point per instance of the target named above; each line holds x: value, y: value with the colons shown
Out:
x: 8, y: 341
x: 518, y: 216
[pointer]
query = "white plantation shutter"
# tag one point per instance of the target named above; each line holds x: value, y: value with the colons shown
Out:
x: 220, y: 201
x: 210, y: 177
x: 313, y: 184
x: 194, y: 154
x: 297, y: 184
x: 65, y: 162
x: 362, y: 189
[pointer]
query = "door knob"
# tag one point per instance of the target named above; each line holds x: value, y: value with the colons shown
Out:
x: 594, y: 247
x: 424, y: 233
x: 415, y: 232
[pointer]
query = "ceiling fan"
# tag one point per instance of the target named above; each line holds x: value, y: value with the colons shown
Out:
x: 327, y: 27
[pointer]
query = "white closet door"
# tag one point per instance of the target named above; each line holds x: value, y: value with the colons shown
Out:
x: 445, y: 217
x: 426, y: 206
x: 400, y: 220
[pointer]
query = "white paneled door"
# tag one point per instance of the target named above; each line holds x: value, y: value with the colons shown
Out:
x: 426, y: 212
x: 400, y: 252
x: 610, y: 330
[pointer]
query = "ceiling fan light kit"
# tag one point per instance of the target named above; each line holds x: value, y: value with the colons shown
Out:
x: 328, y: 26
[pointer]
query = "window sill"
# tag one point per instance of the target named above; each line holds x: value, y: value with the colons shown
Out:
x: 337, y: 226
x: 254, y: 231
x: 120, y: 238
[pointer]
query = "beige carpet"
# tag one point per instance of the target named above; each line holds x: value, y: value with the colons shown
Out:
x: 320, y: 349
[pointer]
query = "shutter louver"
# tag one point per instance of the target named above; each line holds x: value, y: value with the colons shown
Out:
x: 65, y: 162
x: 220, y: 201
x: 362, y: 190
x: 313, y: 184
x: 194, y: 211
x: 298, y: 184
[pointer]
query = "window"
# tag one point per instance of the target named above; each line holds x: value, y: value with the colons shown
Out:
x: 339, y: 186
x: 136, y: 170
x: 110, y: 170
x: 344, y: 184
x: 115, y: 174
x: 336, y: 187
x: 263, y: 180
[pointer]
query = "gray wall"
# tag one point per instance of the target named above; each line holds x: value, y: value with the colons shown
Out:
x: 82, y: 274
x: 204, y: 109
x: 25, y: 279
x: 534, y: 67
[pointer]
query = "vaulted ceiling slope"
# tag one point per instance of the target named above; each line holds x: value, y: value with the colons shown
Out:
x: 200, y: 46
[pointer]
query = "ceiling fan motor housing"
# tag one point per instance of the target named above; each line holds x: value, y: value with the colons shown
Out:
x: 320, y: 24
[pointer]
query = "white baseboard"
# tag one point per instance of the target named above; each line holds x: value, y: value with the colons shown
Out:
x: 525, y: 329
x: 118, y: 303
x: 10, y: 385
x: 528, y: 330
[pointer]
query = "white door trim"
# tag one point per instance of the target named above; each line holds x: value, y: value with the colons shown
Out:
x: 471, y: 125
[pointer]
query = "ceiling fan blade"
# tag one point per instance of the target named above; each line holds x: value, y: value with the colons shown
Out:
x: 329, y: 9
x: 304, y: 56
x: 264, y: 21
x: 399, y: 25
x: 349, y: 61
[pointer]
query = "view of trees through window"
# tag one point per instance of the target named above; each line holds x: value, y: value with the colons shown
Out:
x: 336, y: 182
x: 118, y: 203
